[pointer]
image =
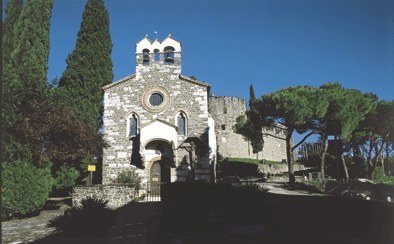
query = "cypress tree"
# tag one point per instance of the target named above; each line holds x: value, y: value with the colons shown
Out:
x: 26, y: 71
x: 30, y: 55
x: 89, y: 66
x: 26, y: 47
x: 251, y: 126
x: 13, y: 11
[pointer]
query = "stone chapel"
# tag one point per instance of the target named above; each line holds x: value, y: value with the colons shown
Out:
x: 168, y: 126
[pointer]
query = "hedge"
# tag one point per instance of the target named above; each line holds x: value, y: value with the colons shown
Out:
x: 25, y: 188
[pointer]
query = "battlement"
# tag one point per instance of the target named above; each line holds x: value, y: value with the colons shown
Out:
x: 225, y: 110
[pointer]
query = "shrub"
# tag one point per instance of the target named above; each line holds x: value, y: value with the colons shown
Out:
x: 380, y: 177
x: 129, y: 177
x: 91, y: 218
x: 238, y: 168
x: 65, y: 178
x: 253, y: 161
x: 25, y: 188
x: 314, y: 186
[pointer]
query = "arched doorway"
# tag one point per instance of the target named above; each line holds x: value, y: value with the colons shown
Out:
x: 159, y: 174
x: 160, y: 156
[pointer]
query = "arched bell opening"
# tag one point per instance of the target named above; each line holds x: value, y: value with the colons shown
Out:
x: 145, y: 56
x: 169, y: 55
x: 156, y: 55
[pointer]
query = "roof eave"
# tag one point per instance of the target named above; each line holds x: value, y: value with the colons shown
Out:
x: 106, y: 87
x: 197, y: 82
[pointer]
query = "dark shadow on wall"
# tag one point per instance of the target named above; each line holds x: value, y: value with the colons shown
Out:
x: 136, y: 157
x: 183, y: 171
x: 195, y: 150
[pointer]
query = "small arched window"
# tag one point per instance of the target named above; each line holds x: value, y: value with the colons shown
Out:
x: 133, y: 123
x: 169, y: 55
x: 145, y: 56
x: 157, y: 55
x: 181, y: 122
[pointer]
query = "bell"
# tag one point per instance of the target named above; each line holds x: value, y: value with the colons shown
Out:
x: 169, y: 58
x: 146, y: 57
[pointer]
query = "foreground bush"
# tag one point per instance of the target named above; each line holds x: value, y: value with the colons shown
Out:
x: 25, y: 188
x: 91, y: 218
x: 314, y: 186
x: 129, y: 177
x: 238, y: 168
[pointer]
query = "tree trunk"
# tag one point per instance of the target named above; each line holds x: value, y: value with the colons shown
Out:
x: 356, y: 151
x: 387, y: 150
x: 378, y: 156
x: 289, y: 154
x: 369, y: 160
x: 373, y: 144
x: 370, y: 168
x: 323, y: 157
x: 387, y: 168
x: 345, y: 167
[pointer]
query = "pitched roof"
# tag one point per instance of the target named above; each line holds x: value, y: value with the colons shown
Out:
x: 127, y: 78
x: 145, y: 37
x: 197, y: 82
x: 118, y: 82
x: 169, y: 36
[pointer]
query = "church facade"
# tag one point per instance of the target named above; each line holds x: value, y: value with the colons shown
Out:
x: 168, y: 126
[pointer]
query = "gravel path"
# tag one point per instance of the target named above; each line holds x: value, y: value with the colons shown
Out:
x: 30, y: 229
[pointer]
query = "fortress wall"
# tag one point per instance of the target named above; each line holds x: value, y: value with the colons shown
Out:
x: 225, y: 110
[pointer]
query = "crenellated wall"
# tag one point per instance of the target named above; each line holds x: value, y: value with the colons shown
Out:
x: 224, y: 111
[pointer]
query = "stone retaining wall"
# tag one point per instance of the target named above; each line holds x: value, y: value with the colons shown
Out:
x: 117, y: 195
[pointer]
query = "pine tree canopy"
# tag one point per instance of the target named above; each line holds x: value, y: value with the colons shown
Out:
x: 349, y: 106
x: 295, y: 107
x: 89, y: 66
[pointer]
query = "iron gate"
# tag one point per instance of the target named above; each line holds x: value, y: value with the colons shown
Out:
x: 153, y: 192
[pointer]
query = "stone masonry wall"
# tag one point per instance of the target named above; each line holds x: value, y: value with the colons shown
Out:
x: 225, y: 110
x: 117, y: 195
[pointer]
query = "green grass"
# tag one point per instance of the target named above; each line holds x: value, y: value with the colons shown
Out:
x: 253, y: 161
x: 380, y: 178
x: 389, y: 180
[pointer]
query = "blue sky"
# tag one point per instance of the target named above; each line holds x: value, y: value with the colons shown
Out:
x: 234, y: 43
